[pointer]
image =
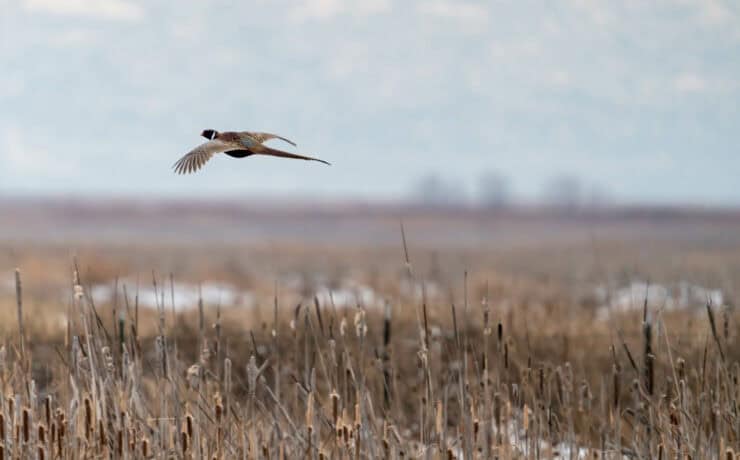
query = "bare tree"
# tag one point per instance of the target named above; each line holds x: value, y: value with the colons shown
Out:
x: 563, y: 191
x: 493, y: 189
x: 433, y: 190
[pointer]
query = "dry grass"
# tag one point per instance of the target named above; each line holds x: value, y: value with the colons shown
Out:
x: 503, y: 369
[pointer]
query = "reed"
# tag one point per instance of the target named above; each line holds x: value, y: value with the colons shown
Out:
x: 409, y: 380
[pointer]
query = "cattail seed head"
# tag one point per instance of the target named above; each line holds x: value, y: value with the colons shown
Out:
x: 334, y: 396
x: 219, y: 409
x: 88, y: 419
x: 189, y: 425
x: 193, y: 376
x: 26, y: 425
x: 438, y: 419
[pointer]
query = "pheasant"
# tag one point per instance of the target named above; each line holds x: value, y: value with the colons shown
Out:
x: 235, y: 144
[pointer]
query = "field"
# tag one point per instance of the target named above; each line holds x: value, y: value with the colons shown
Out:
x: 221, y: 330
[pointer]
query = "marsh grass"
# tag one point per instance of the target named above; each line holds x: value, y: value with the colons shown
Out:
x: 411, y: 381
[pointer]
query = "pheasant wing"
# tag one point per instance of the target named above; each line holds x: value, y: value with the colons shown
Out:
x: 196, y: 158
x: 263, y: 137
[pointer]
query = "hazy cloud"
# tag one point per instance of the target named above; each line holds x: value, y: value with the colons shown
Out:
x: 689, y: 83
x: 456, y: 10
x: 22, y: 156
x: 119, y: 10
x: 308, y: 10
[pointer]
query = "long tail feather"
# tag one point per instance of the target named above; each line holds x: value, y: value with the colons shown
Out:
x: 264, y: 150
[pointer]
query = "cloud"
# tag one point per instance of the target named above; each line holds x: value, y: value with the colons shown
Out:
x: 118, y: 10
x: 689, y: 83
x: 460, y: 11
x: 713, y: 12
x: 11, y: 85
x: 19, y: 157
x: 329, y: 9
x: 74, y: 38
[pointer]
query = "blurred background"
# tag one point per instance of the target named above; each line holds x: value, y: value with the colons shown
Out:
x: 576, y: 144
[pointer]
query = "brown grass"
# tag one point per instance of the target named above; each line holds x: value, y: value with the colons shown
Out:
x: 505, y: 363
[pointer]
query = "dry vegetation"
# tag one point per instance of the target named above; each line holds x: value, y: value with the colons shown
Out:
x: 512, y: 362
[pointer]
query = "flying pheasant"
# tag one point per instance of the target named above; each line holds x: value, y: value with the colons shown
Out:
x: 235, y: 144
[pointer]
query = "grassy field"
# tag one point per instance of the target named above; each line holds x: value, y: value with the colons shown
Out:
x: 517, y: 334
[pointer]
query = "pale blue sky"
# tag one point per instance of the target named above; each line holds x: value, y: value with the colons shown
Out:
x: 642, y: 98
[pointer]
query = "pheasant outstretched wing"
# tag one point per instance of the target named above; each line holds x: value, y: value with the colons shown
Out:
x: 196, y: 158
x: 263, y: 137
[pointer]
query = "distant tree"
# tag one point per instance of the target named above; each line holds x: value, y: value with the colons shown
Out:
x: 598, y: 196
x: 433, y: 190
x: 563, y: 191
x: 493, y: 190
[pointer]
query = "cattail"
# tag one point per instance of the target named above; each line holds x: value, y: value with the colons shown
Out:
x: 193, y: 376
x: 110, y: 367
x: 88, y: 419
x: 60, y: 437
x: 101, y: 434
x: 26, y: 425
x: 47, y: 410
x: 681, y: 368
x: 219, y: 408
x: 334, y: 396
x: 189, y: 425
x: 541, y: 385
x: 120, y: 443
x: 438, y: 421
x: 145, y: 447
x: 584, y: 400
x: 205, y: 354
x: 358, y: 416
x: 360, y: 324
x: 227, y: 382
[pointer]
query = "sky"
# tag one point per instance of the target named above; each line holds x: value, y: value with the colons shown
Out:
x: 638, y: 98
